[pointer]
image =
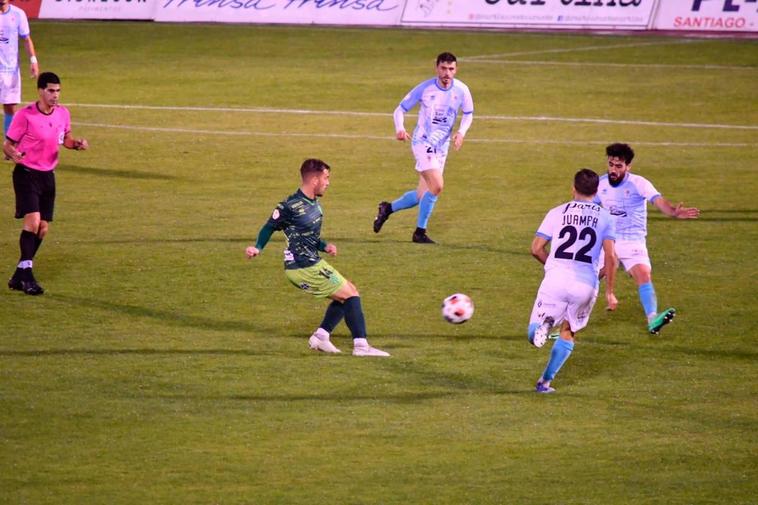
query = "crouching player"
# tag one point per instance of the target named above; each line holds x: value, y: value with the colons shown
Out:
x: 578, y: 231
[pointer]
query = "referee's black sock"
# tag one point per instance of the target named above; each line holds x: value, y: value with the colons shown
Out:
x: 37, y: 243
x: 28, y: 244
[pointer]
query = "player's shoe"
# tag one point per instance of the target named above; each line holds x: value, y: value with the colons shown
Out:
x: 385, y: 209
x: 661, y: 320
x: 323, y: 345
x: 540, y: 387
x: 422, y: 238
x: 362, y: 348
x: 542, y: 332
x: 25, y: 282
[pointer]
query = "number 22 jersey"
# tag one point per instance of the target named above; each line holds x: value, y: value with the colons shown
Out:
x: 576, y: 231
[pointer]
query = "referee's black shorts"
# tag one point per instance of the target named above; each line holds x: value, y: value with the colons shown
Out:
x: 35, y: 192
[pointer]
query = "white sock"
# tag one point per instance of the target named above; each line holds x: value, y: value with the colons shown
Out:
x: 360, y: 342
x: 322, y: 334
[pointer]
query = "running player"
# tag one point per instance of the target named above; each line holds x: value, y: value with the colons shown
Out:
x: 441, y: 98
x: 300, y: 217
x: 578, y: 231
x: 626, y: 195
x: 13, y: 25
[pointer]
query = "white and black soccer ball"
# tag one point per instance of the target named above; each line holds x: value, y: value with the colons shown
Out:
x: 457, y: 308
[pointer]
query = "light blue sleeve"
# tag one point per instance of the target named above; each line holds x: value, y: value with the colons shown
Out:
x: 23, y: 25
x: 412, y: 98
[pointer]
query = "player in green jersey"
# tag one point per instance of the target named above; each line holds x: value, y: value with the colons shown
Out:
x: 300, y: 217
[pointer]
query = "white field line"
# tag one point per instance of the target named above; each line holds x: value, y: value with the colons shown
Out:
x: 614, y: 65
x: 391, y: 138
x: 266, y: 110
x: 580, y: 49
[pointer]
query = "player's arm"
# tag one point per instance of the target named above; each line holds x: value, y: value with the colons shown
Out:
x: 80, y: 144
x: 678, y: 211
x: 610, y: 268
x: 264, y: 235
x: 327, y: 247
x: 10, y: 150
x: 466, y: 120
x: 32, y: 56
x: 399, y: 117
x: 539, y: 248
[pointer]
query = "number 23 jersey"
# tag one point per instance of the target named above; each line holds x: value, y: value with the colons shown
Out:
x: 576, y: 231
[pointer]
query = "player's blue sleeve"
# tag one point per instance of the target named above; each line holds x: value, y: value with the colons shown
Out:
x: 322, y: 245
x: 546, y: 237
x: 264, y: 235
x: 412, y: 98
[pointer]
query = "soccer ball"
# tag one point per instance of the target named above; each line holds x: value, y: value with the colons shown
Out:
x: 457, y: 308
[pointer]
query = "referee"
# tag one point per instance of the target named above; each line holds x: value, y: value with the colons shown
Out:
x: 32, y: 142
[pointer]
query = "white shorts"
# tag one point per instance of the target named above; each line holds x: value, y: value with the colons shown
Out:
x: 10, y: 87
x: 631, y: 253
x: 429, y: 158
x: 561, y: 300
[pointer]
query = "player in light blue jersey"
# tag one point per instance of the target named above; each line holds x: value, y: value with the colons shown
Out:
x: 577, y: 232
x: 440, y: 99
x: 626, y: 196
x: 13, y: 25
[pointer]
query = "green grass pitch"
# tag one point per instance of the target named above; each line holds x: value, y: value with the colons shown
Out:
x: 162, y: 367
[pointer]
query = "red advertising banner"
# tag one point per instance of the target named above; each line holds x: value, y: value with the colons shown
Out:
x: 30, y: 7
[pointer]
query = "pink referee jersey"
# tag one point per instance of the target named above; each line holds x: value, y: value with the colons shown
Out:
x: 40, y: 135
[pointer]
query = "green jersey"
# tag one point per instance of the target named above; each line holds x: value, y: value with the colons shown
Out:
x: 299, y: 218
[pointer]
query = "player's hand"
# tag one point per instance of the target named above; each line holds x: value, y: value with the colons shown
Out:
x: 457, y: 141
x: 16, y: 156
x: 331, y: 249
x: 81, y: 144
x: 252, y: 252
x: 612, y: 302
x: 34, y: 70
x: 681, y: 212
x: 402, y: 136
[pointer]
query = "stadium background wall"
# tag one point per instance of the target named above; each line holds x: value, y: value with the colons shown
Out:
x: 725, y: 16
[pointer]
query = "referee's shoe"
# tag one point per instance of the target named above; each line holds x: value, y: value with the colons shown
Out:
x: 23, y: 280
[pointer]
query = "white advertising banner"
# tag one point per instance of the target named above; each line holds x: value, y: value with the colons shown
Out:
x: 626, y: 14
x: 330, y: 12
x: 707, y: 15
x: 97, y: 9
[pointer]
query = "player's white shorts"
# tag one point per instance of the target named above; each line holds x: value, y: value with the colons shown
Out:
x: 629, y: 253
x: 10, y: 87
x: 429, y: 158
x: 571, y: 301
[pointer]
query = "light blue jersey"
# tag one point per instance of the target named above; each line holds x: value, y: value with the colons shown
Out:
x: 576, y: 231
x: 627, y: 203
x: 438, y: 111
x: 13, y: 24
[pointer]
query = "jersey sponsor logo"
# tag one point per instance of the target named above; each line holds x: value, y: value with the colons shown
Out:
x: 617, y: 211
x: 275, y: 214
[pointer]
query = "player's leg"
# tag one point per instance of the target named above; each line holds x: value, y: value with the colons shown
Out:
x: 655, y: 320
x: 560, y: 353
x: 434, y: 182
x: 580, y: 300
x: 548, y: 311
x: 28, y: 205
x: 9, y: 109
x: 407, y: 200
x: 348, y: 295
x: 10, y: 96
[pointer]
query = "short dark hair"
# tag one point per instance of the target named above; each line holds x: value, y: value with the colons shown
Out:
x: 619, y: 150
x: 46, y: 78
x: 313, y: 166
x: 586, y: 181
x: 446, y: 57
